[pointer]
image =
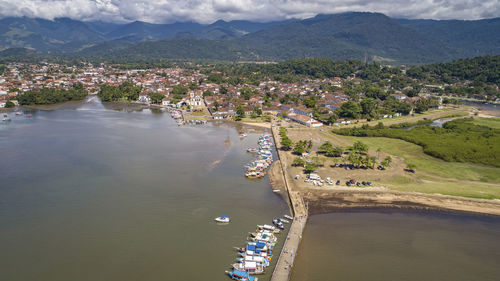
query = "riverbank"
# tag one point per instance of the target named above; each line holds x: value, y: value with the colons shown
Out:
x: 322, y: 201
x: 258, y: 124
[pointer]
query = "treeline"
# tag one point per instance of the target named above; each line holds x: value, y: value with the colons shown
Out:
x: 126, y: 91
x: 480, y: 70
x: 296, y: 69
x: 457, y: 141
x: 51, y: 96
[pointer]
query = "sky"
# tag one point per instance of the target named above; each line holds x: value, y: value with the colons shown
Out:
x: 208, y: 11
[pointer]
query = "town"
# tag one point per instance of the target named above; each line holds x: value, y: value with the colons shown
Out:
x: 212, y: 94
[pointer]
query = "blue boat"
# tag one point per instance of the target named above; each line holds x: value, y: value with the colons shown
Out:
x: 241, y: 275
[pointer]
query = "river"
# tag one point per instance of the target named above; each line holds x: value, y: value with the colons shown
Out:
x: 399, y: 245
x: 92, y: 193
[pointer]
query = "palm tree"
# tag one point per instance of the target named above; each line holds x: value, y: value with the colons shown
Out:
x: 373, y: 161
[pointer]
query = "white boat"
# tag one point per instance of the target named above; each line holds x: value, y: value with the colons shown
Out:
x: 288, y: 217
x: 223, y: 219
x: 285, y: 221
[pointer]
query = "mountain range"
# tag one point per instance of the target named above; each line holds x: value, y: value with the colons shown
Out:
x: 356, y: 35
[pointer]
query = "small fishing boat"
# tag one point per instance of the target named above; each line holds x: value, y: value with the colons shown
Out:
x: 284, y: 220
x: 19, y: 113
x: 6, y: 118
x: 278, y: 223
x: 28, y: 115
x: 241, y: 275
x: 223, y: 219
x: 288, y: 217
x: 243, y: 135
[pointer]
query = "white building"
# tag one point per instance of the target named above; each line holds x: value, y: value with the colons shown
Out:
x: 195, y: 99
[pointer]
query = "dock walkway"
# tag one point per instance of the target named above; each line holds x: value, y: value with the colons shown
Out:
x: 283, y: 268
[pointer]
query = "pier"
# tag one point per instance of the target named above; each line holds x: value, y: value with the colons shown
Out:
x: 284, y: 266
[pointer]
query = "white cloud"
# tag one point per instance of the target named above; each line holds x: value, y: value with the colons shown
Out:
x: 207, y: 11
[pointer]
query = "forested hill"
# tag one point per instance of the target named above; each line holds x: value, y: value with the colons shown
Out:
x: 354, y: 35
x: 479, y: 70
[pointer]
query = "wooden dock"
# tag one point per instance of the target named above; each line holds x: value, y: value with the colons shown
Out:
x: 284, y: 266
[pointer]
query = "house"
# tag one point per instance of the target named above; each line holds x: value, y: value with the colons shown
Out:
x: 165, y: 102
x: 144, y: 98
x: 305, y: 120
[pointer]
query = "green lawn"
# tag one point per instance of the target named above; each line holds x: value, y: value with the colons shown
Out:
x: 435, y: 175
x: 488, y: 122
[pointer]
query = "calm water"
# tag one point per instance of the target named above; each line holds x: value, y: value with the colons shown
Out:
x: 94, y: 194
x: 375, y: 246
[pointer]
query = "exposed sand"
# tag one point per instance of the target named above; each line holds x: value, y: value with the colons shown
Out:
x: 327, y: 201
x: 258, y: 124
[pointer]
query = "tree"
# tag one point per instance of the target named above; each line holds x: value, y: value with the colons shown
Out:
x: 156, y: 97
x: 333, y: 118
x: 299, y: 148
x: 360, y: 147
x: 216, y: 105
x: 334, y: 151
x: 373, y: 161
x: 325, y: 146
x: 179, y: 90
x: 9, y: 104
x: 387, y: 162
x: 240, y: 113
x: 310, y: 102
x: 368, y: 106
x: 309, y: 168
x: 309, y: 145
x: 349, y: 110
x: 286, y: 143
x: 207, y: 93
x: 298, y: 161
x: 258, y: 111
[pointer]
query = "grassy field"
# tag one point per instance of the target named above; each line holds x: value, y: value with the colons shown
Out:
x: 431, y: 114
x: 489, y: 122
x: 435, y: 175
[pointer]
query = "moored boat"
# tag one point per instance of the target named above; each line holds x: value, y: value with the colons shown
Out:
x: 222, y: 219
x: 278, y: 223
x: 241, y: 275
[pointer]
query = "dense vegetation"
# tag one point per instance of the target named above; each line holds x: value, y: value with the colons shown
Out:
x: 457, y: 141
x: 51, y: 96
x: 479, y: 70
x: 126, y: 91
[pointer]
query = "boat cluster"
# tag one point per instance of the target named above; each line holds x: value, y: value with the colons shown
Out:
x: 257, y: 168
x: 6, y: 117
x: 256, y: 256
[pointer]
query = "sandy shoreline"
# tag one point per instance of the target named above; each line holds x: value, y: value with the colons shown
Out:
x: 258, y: 124
x: 328, y: 201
